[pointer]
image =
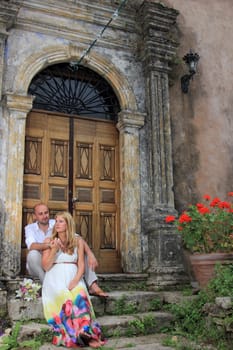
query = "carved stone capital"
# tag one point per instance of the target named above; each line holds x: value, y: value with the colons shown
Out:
x: 158, y: 42
x: 18, y: 103
x: 8, y: 10
x: 130, y: 120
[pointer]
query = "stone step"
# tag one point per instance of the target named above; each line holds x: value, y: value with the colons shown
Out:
x: 134, y: 324
x: 151, y: 341
x: 113, y: 326
x: 127, y: 302
x: 123, y: 281
x: 148, y: 342
x: 118, y: 302
x: 110, y: 282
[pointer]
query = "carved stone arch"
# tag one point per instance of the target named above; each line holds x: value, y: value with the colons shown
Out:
x: 58, y: 54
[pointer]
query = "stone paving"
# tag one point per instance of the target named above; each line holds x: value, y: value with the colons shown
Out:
x: 149, y: 342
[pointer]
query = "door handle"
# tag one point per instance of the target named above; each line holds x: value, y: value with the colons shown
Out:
x: 74, y: 200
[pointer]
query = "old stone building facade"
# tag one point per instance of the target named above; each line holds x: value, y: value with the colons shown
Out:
x: 124, y: 168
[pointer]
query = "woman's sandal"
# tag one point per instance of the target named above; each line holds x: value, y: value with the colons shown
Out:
x: 83, y: 339
x: 97, y: 291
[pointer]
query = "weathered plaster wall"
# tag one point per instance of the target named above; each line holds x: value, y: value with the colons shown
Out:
x: 202, y: 122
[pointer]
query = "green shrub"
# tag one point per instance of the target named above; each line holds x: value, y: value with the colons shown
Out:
x: 155, y: 304
x: 142, y: 326
x: 123, y: 307
x: 11, y: 341
x: 222, y: 284
x: 191, y: 320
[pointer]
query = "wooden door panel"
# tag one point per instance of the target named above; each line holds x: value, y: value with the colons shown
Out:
x: 95, y: 179
x: 34, y: 165
x: 58, y: 154
x: 97, y: 211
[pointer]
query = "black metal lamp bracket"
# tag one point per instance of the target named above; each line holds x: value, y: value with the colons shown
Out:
x: 185, y: 79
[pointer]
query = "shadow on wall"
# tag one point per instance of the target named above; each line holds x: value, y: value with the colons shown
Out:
x: 186, y: 155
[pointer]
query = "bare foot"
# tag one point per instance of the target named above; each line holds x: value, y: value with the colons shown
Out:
x: 97, y: 291
x: 95, y: 343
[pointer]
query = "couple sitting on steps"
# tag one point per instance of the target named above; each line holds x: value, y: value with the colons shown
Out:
x: 60, y: 258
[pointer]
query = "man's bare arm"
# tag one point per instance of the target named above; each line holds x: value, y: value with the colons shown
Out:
x: 39, y: 246
x: 92, y: 261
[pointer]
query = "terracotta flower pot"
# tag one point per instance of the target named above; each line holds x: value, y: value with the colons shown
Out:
x: 203, y: 265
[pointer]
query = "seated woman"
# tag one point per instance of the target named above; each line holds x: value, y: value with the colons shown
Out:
x: 66, y: 303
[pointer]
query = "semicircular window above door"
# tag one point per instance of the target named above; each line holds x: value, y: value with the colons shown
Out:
x: 80, y: 92
x: 72, y: 156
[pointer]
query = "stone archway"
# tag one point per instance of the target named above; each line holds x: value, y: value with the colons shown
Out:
x: 15, y: 109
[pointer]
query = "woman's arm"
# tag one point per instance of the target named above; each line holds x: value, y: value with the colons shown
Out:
x: 48, y: 255
x: 81, y: 265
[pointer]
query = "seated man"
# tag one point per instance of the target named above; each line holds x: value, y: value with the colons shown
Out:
x: 35, y: 235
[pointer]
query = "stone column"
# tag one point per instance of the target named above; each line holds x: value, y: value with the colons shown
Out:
x: 129, y: 124
x: 158, y: 48
x: 3, y: 36
x: 15, y: 109
x: 8, y: 11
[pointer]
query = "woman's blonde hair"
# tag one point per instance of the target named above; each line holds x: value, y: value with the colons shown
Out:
x: 70, y: 230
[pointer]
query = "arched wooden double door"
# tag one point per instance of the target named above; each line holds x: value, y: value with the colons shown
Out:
x: 73, y: 164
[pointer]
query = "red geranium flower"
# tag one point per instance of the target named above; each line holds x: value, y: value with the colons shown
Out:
x: 206, y: 197
x: 215, y: 202
x: 170, y: 218
x: 200, y: 205
x: 184, y: 218
x: 224, y: 205
x: 204, y: 210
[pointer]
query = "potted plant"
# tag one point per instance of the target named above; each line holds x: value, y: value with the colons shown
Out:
x: 207, y: 233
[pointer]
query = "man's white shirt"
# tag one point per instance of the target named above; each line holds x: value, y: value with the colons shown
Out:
x: 33, y: 234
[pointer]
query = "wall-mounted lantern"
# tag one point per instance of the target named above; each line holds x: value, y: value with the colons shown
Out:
x: 191, y: 59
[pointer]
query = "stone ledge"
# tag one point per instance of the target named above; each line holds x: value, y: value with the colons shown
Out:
x: 19, y: 310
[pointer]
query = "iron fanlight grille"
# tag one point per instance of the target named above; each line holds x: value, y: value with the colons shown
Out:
x: 71, y: 91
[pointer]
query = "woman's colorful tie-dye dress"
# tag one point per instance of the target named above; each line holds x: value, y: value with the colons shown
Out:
x: 68, y: 312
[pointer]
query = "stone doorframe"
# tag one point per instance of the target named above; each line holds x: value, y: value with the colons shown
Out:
x: 18, y: 104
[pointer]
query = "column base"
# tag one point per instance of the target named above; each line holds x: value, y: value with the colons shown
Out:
x: 166, y: 260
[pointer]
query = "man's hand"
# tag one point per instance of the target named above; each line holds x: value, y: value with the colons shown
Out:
x: 92, y: 261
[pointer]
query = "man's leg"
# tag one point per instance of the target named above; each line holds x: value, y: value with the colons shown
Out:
x: 90, y: 275
x: 34, y: 265
x: 91, y: 281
